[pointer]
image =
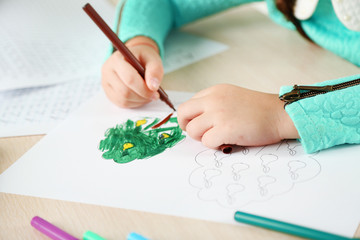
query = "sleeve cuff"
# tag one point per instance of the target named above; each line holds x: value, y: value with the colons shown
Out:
x: 327, y: 120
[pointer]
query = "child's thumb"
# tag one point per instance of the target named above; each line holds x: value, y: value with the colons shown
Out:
x: 153, y: 74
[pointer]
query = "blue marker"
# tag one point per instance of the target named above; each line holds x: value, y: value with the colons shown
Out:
x: 136, y: 236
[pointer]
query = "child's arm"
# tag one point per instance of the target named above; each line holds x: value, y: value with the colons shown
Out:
x: 144, y: 26
x: 156, y: 18
x: 227, y: 114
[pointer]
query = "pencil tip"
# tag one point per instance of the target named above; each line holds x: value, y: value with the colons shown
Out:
x: 170, y: 105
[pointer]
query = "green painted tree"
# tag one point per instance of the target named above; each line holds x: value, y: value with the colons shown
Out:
x: 133, y: 140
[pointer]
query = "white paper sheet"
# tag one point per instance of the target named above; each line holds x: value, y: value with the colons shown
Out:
x: 37, y: 110
x: 279, y: 181
x: 181, y: 49
x: 43, y: 42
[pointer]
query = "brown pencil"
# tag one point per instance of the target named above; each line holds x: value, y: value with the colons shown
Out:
x: 119, y: 45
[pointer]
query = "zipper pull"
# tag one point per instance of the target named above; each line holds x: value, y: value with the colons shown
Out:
x: 296, y: 93
x: 290, y: 97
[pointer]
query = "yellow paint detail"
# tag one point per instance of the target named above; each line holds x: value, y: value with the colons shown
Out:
x: 140, y: 122
x: 165, y: 135
x: 127, y: 146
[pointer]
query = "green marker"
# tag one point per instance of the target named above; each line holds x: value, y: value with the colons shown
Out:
x: 92, y: 236
x: 285, y: 227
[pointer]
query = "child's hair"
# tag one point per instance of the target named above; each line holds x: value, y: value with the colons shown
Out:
x: 287, y: 8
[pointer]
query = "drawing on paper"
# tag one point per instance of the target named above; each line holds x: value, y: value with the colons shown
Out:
x: 137, y: 140
x: 251, y: 174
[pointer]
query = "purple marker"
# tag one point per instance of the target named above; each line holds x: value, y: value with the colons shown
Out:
x: 50, y: 230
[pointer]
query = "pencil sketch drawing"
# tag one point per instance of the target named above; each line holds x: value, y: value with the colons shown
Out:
x: 251, y: 175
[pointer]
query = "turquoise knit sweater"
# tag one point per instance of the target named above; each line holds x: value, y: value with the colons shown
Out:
x: 322, y: 121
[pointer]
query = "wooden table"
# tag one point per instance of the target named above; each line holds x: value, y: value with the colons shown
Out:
x: 262, y: 56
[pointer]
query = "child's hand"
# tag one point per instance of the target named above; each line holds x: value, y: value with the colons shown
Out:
x: 122, y: 83
x: 227, y: 114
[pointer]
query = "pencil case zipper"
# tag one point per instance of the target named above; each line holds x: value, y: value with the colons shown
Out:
x: 301, y: 92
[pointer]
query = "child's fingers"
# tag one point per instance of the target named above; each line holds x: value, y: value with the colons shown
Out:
x: 188, y: 111
x: 123, y: 90
x: 198, y: 126
x: 114, y: 81
x: 214, y: 137
x: 121, y: 102
x: 154, y: 71
x: 112, y: 95
x: 153, y: 75
x: 130, y: 77
x: 116, y: 90
x: 133, y: 81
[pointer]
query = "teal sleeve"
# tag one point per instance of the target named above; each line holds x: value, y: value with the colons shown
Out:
x: 156, y: 18
x: 325, y: 29
x: 329, y: 119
